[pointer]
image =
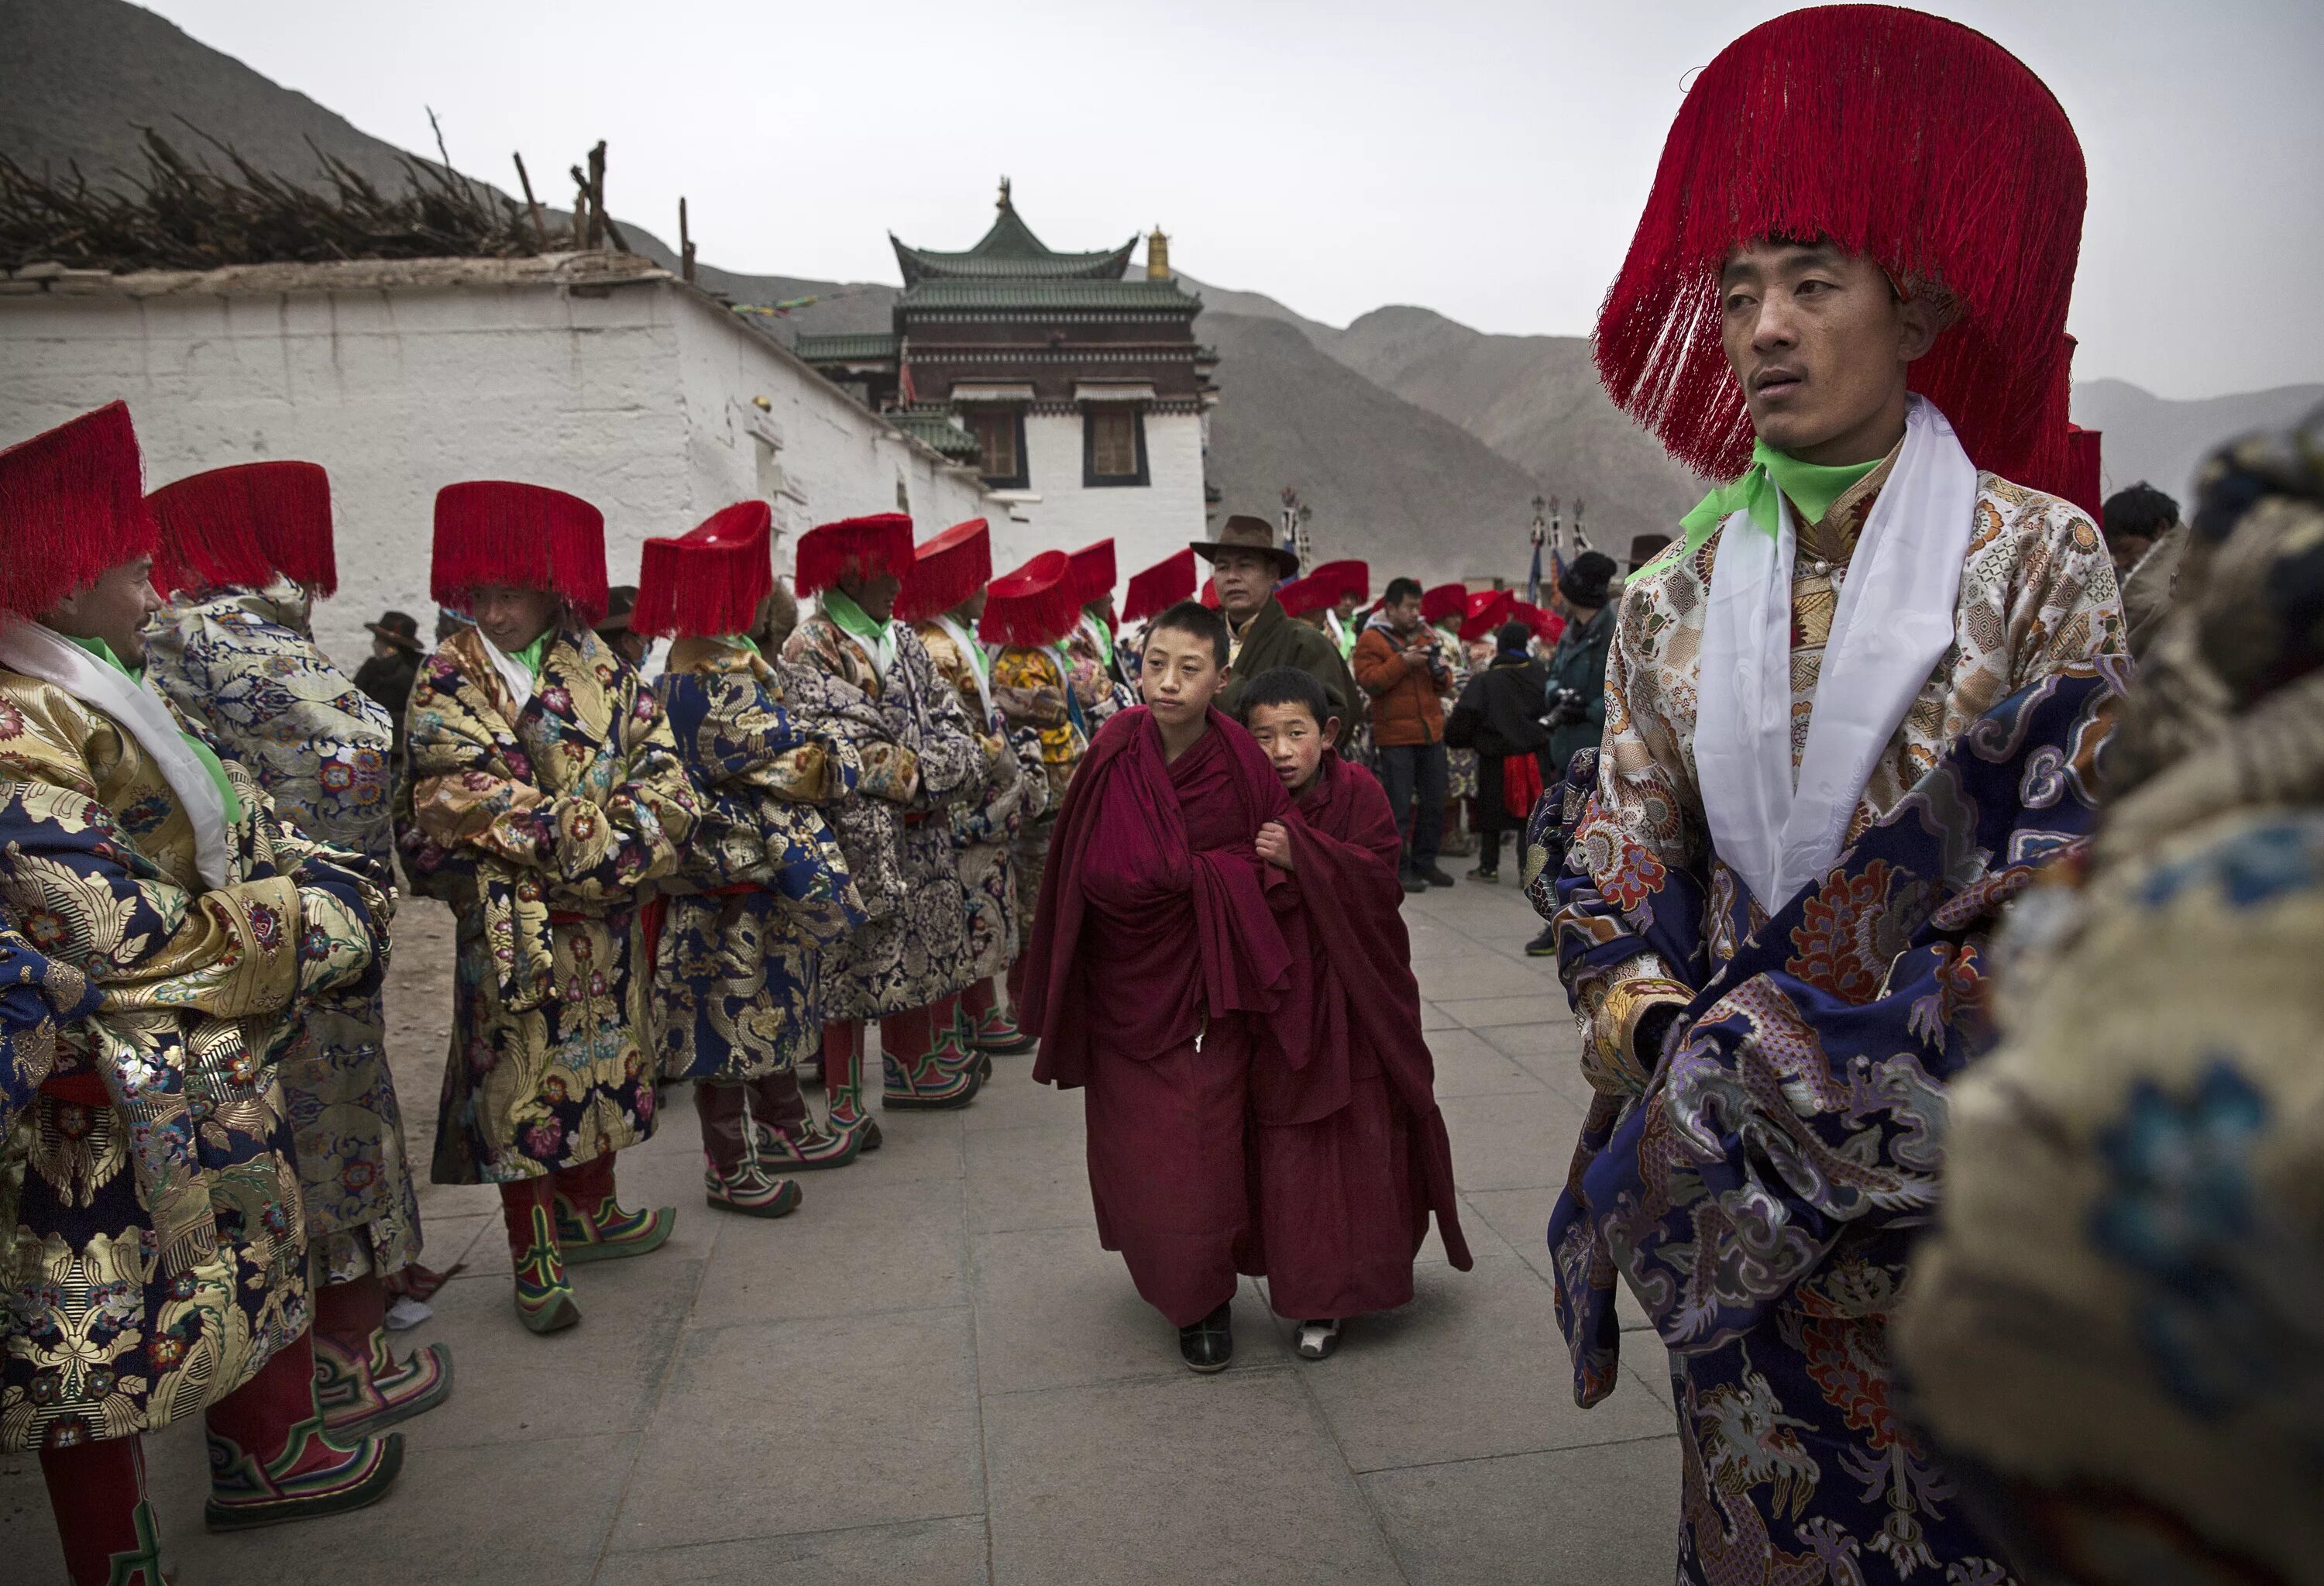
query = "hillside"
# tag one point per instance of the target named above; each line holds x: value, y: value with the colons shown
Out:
x: 2152, y: 438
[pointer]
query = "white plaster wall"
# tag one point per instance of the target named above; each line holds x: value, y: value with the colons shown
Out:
x: 1147, y: 523
x: 638, y: 400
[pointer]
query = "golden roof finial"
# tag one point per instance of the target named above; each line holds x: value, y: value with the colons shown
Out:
x: 1002, y: 201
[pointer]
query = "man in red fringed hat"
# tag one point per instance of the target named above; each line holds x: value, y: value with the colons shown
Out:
x: 174, y: 932
x: 1444, y: 608
x: 1098, y: 679
x: 944, y: 598
x: 243, y: 552
x: 546, y: 796
x: 909, y: 965
x: 764, y: 886
x: 1846, y: 716
x: 1027, y: 613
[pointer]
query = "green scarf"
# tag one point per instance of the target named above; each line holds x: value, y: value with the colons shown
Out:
x: 1104, y: 635
x: 854, y: 619
x: 530, y: 657
x: 202, y: 752
x: 1812, y: 488
x: 742, y: 641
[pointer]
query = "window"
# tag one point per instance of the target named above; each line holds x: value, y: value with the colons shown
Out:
x: 999, y: 445
x: 1113, y: 445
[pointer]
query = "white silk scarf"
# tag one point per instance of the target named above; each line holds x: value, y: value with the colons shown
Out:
x: 1891, y: 626
x: 515, y: 677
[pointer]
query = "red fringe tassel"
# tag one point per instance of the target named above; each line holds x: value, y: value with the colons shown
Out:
x: 498, y: 531
x: 72, y: 504
x: 710, y: 580
x: 879, y: 544
x: 1093, y: 573
x: 1159, y: 587
x: 236, y: 528
x: 1033, y: 606
x: 946, y: 571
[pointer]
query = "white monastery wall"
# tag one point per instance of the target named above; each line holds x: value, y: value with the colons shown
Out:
x: 1147, y: 523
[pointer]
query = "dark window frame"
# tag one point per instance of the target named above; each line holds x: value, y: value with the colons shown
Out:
x: 1091, y: 478
x: 1022, y: 479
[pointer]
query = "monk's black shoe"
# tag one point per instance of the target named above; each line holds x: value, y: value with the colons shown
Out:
x: 1209, y: 1344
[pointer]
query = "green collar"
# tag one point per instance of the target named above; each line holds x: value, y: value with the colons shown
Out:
x: 1105, y: 634
x: 853, y: 618
x: 103, y: 652
x: 1812, y: 488
x: 532, y: 655
x: 742, y: 641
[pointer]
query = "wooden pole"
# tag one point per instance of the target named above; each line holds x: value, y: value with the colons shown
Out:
x: 597, y: 194
x: 685, y: 243
x: 540, y: 231
x: 580, y: 208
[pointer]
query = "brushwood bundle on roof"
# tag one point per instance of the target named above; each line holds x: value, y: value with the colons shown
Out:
x: 184, y: 214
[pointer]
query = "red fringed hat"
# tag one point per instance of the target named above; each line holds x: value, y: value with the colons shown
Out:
x: 494, y: 531
x: 946, y: 571
x: 1342, y: 581
x: 1488, y: 610
x: 881, y: 543
x: 1897, y: 135
x: 1209, y: 596
x: 1444, y: 602
x: 1093, y: 573
x: 710, y: 580
x: 1547, y: 625
x: 2083, y: 481
x: 1159, y: 587
x: 1034, y: 605
x: 1301, y: 595
x: 72, y: 504
x: 239, y: 527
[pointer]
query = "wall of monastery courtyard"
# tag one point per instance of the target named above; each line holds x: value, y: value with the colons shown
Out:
x: 1147, y: 522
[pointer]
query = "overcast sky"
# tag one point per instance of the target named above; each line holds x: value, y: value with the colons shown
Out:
x: 1486, y: 160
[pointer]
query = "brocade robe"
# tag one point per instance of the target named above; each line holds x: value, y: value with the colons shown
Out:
x: 1756, y: 1181
x: 983, y: 829
x: 243, y: 663
x: 916, y: 953
x: 542, y: 828
x: 155, y: 1254
x: 1031, y: 690
x: 1096, y: 683
x: 734, y: 974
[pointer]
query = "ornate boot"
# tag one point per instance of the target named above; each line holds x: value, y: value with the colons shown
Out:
x: 96, y: 1491
x: 989, y: 1029
x: 732, y: 1179
x: 953, y: 1036
x: 591, y: 1226
x: 270, y: 1459
x: 359, y: 1384
x: 918, y: 1077
x: 843, y: 1083
x: 786, y: 1137
x: 544, y: 1294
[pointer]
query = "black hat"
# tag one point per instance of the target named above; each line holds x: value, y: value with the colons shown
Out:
x: 1585, y: 583
x: 620, y: 600
x: 399, y: 629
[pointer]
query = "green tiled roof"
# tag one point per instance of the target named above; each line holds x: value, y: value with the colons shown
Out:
x: 939, y: 430
x: 1011, y: 251
x: 1020, y: 295
x: 856, y: 347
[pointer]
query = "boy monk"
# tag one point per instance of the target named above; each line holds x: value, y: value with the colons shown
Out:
x: 1350, y: 1151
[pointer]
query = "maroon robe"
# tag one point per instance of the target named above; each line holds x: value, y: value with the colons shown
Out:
x: 1158, y: 973
x: 1350, y: 1151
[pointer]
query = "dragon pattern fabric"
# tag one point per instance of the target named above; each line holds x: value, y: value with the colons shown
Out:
x: 1016, y: 793
x: 735, y: 971
x: 542, y: 828
x: 245, y: 664
x: 914, y: 952
x: 155, y: 1256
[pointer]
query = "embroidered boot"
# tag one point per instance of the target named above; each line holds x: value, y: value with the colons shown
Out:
x: 270, y: 1459
x: 953, y: 1038
x: 544, y: 1295
x: 591, y: 1225
x: 359, y: 1384
x: 989, y: 1029
x: 785, y: 1135
x: 96, y: 1491
x: 732, y: 1179
x: 843, y: 1083
x: 917, y: 1078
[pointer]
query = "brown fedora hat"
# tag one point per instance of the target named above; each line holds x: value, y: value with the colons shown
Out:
x: 1244, y: 532
x: 399, y: 629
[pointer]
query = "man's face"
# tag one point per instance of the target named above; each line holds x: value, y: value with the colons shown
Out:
x: 874, y: 592
x: 971, y: 612
x: 512, y: 616
x: 1404, y: 615
x: 1347, y: 608
x: 1821, y: 343
x: 2127, y: 549
x: 1294, y: 741
x: 381, y: 649
x: 1179, y: 675
x: 114, y: 609
x: 1244, y: 579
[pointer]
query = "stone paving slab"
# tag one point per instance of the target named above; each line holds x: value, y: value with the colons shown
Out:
x: 931, y: 1373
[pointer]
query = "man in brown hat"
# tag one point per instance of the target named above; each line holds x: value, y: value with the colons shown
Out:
x: 387, y: 676
x: 632, y: 646
x: 1246, y: 566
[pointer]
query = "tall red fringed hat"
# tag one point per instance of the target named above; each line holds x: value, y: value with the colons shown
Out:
x: 1160, y: 586
x: 1303, y: 596
x: 1345, y: 580
x: 1488, y: 610
x: 528, y: 536
x: 881, y: 543
x: 1896, y: 135
x: 1093, y: 574
x: 1547, y: 625
x: 1034, y: 605
x: 708, y: 581
x: 1444, y: 603
x: 1210, y: 595
x: 72, y: 504
x: 2084, y: 484
x: 946, y: 571
x: 239, y: 527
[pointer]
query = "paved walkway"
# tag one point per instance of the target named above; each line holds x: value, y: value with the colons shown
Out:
x: 932, y: 1374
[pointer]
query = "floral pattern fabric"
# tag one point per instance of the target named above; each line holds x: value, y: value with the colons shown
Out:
x: 154, y: 1254
x: 1029, y: 690
x: 1016, y: 793
x: 542, y: 828
x: 242, y: 664
x: 734, y: 972
x: 1099, y: 693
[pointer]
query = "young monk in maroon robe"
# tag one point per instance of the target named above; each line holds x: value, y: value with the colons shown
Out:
x: 1158, y: 968
x: 1350, y: 1151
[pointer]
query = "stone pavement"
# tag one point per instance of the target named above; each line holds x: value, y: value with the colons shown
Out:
x: 930, y: 1373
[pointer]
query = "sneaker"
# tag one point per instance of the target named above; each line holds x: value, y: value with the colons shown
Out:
x: 1206, y: 1346
x: 1489, y: 877
x: 1543, y: 945
x: 1413, y: 883
x: 1317, y: 1339
x: 1435, y: 876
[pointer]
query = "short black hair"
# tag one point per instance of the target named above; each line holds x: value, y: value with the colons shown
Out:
x: 1401, y: 589
x: 1191, y: 616
x: 2142, y: 511
x: 1282, y: 685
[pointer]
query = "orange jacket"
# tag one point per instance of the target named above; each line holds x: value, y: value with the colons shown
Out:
x: 1407, y: 702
